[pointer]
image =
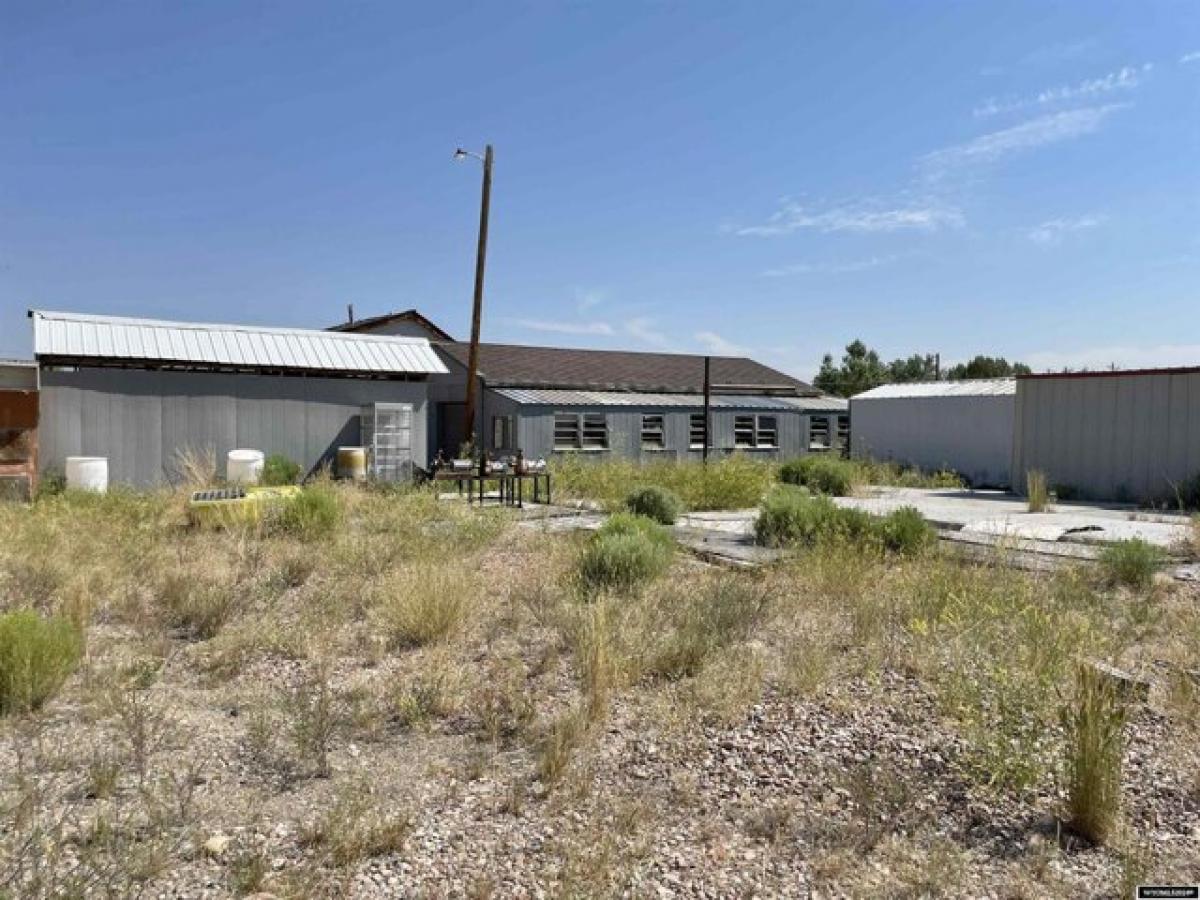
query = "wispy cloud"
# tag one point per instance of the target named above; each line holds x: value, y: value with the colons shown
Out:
x: 719, y: 345
x: 1192, y: 57
x: 1123, y: 79
x: 1121, y: 356
x: 1051, y: 128
x: 863, y: 217
x: 555, y: 327
x: 643, y: 328
x: 588, y: 299
x: 831, y: 268
x: 1052, y: 231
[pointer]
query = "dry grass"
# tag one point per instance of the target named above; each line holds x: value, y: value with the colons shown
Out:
x: 1094, y: 723
x: 453, y: 662
x: 423, y: 604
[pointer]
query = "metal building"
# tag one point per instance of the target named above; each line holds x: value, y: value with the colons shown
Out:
x: 966, y: 426
x: 1129, y: 436
x: 138, y: 391
x: 599, y: 404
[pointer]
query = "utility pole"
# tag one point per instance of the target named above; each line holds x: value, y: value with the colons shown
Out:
x: 477, y: 308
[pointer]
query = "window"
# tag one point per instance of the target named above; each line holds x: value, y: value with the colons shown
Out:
x: 595, y: 431
x: 818, y: 433
x: 566, y: 431
x: 750, y: 432
x: 654, y: 433
x: 696, y: 431
x: 843, y: 432
x: 573, y: 431
x: 767, y: 432
x: 503, y: 432
x: 743, y: 431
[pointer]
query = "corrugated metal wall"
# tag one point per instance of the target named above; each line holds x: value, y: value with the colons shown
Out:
x: 972, y: 435
x: 138, y: 419
x: 1128, y: 437
x: 535, y: 431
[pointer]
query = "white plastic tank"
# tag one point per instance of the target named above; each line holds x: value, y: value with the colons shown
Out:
x: 87, y: 473
x: 244, y: 466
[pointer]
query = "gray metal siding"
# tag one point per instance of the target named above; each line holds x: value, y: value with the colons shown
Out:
x: 139, y: 419
x: 535, y: 430
x: 1113, y: 437
x: 973, y: 435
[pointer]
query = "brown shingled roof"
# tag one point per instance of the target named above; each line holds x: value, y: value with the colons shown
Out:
x: 512, y: 365
x: 372, y: 322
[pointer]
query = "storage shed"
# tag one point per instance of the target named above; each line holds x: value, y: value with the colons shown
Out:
x: 139, y: 391
x: 1130, y: 436
x: 966, y: 426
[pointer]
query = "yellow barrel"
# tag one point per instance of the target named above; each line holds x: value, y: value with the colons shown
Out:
x: 352, y: 463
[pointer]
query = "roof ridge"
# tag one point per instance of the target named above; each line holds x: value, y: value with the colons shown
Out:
x: 96, y: 318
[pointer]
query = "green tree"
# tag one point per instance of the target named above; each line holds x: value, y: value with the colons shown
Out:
x: 917, y: 367
x: 987, y: 367
x: 861, y: 369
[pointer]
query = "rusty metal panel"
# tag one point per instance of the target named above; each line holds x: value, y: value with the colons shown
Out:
x: 18, y: 444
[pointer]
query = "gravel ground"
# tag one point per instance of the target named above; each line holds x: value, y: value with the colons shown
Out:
x: 859, y: 790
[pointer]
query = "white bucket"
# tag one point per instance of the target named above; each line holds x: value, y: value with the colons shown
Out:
x: 87, y: 473
x: 244, y: 466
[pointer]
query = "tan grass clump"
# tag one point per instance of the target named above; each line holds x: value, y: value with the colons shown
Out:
x: 423, y: 604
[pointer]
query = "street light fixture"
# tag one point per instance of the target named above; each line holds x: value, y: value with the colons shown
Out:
x: 477, y: 308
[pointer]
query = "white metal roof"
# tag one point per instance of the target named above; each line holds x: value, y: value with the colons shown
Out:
x: 975, y: 387
x: 79, y: 336
x: 555, y: 397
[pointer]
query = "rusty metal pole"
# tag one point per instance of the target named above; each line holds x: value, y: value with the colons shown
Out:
x: 477, y: 308
x: 707, y: 407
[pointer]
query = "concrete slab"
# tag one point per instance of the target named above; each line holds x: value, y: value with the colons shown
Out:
x: 999, y: 514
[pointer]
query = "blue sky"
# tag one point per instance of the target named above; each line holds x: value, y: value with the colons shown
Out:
x: 773, y: 179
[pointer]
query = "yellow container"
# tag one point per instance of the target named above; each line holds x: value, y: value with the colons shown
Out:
x: 232, y: 506
x: 352, y: 463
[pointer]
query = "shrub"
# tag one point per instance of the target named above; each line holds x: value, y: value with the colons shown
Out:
x: 789, y: 517
x: 36, y: 656
x: 1131, y: 563
x: 625, y: 550
x: 1094, y: 726
x: 829, y: 475
x: 279, y: 470
x: 51, y: 483
x: 1037, y: 490
x: 655, y: 503
x: 311, y: 514
x: 905, y: 530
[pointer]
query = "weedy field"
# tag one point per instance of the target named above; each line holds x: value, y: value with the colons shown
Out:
x: 381, y: 694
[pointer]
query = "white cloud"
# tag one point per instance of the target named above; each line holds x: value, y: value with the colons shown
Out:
x: 866, y: 217
x: 718, y: 345
x: 1042, y: 131
x: 642, y: 328
x: 1192, y: 57
x: 552, y: 327
x: 1121, y: 356
x: 1125, y: 78
x: 831, y: 268
x: 588, y: 299
x: 1052, y: 231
